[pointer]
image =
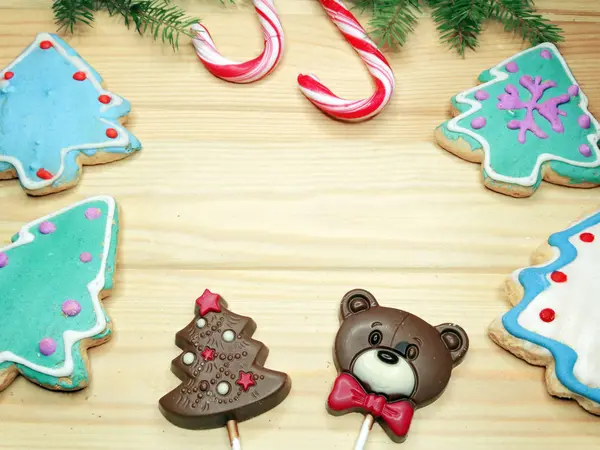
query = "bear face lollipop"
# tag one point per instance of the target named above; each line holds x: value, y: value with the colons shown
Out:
x: 390, y: 363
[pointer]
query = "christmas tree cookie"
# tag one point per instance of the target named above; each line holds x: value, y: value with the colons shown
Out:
x: 554, y: 319
x: 222, y: 369
x: 52, y: 279
x: 55, y: 116
x: 527, y: 121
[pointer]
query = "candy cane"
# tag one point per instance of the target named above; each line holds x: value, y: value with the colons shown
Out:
x: 252, y: 70
x: 327, y: 101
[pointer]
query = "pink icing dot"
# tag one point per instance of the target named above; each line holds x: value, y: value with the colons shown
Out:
x: 47, y: 346
x: 512, y: 67
x: 85, y: 257
x: 478, y: 122
x: 3, y: 260
x: 546, y: 54
x: 47, y: 227
x: 584, y: 121
x: 71, y: 308
x: 92, y: 213
x: 585, y: 150
x: 481, y: 95
x: 573, y: 90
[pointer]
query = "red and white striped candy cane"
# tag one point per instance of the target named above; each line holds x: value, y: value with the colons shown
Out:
x: 252, y: 70
x: 352, y: 110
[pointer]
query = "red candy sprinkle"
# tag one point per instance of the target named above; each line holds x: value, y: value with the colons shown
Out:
x: 9, y: 75
x: 79, y: 76
x: 44, y: 174
x: 104, y: 99
x: 547, y: 314
x: 245, y: 380
x: 587, y: 237
x: 558, y: 277
x: 45, y: 45
x: 111, y: 133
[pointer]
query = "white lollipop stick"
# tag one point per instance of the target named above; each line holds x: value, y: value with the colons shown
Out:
x: 234, y: 435
x: 366, y: 427
x: 253, y: 70
x: 327, y: 101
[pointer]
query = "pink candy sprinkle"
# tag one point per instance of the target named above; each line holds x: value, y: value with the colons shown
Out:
x: 512, y: 67
x: 481, y: 95
x: 3, y: 260
x: 92, y: 213
x: 71, y: 308
x: 585, y: 150
x: 47, y: 227
x: 85, y: 257
x: 47, y: 346
x: 546, y: 54
x: 478, y: 122
x: 584, y: 121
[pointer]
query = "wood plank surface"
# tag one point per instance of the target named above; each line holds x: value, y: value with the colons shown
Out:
x: 253, y: 193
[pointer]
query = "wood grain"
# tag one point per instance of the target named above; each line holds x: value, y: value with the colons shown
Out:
x: 252, y: 192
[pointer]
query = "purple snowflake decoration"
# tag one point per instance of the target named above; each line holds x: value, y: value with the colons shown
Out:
x: 548, y: 109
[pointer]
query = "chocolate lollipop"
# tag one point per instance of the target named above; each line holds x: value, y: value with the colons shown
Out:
x: 390, y: 363
x: 224, y: 381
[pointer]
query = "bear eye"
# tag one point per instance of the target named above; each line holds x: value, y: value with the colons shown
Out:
x: 375, y: 338
x: 412, y: 352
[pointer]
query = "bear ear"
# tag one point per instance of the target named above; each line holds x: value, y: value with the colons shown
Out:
x: 456, y: 339
x: 357, y: 301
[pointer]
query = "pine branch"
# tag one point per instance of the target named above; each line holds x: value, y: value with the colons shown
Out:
x: 459, y: 22
x: 519, y: 16
x: 393, y: 21
x: 158, y: 17
x: 68, y: 13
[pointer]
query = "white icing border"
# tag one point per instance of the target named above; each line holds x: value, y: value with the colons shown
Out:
x: 70, y: 337
x: 121, y: 141
x: 530, y: 180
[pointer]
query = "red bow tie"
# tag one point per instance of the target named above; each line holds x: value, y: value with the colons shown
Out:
x: 347, y: 394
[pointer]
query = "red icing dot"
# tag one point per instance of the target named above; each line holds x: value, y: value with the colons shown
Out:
x: 79, y: 76
x: 587, y: 237
x: 111, y: 133
x: 558, y: 277
x: 547, y: 314
x: 44, y: 174
x: 45, y: 45
x: 104, y: 99
x: 9, y: 75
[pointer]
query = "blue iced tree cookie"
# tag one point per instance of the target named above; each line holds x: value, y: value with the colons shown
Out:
x: 527, y: 121
x: 555, y: 315
x: 55, y: 116
x: 52, y: 280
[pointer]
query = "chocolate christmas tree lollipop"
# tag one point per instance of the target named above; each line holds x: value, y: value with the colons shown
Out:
x: 390, y: 363
x: 224, y: 381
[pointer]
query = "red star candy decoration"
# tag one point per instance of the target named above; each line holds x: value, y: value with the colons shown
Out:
x: 208, y: 302
x: 208, y: 354
x: 245, y: 380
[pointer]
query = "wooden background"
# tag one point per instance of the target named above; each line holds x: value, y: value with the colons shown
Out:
x: 250, y: 191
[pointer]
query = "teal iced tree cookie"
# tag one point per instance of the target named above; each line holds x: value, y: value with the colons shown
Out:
x: 527, y: 121
x: 55, y: 116
x: 52, y: 279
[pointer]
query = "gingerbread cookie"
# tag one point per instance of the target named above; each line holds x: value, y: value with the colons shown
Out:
x: 390, y: 362
x: 52, y: 279
x: 528, y: 121
x: 222, y: 370
x: 55, y: 116
x: 554, y: 319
